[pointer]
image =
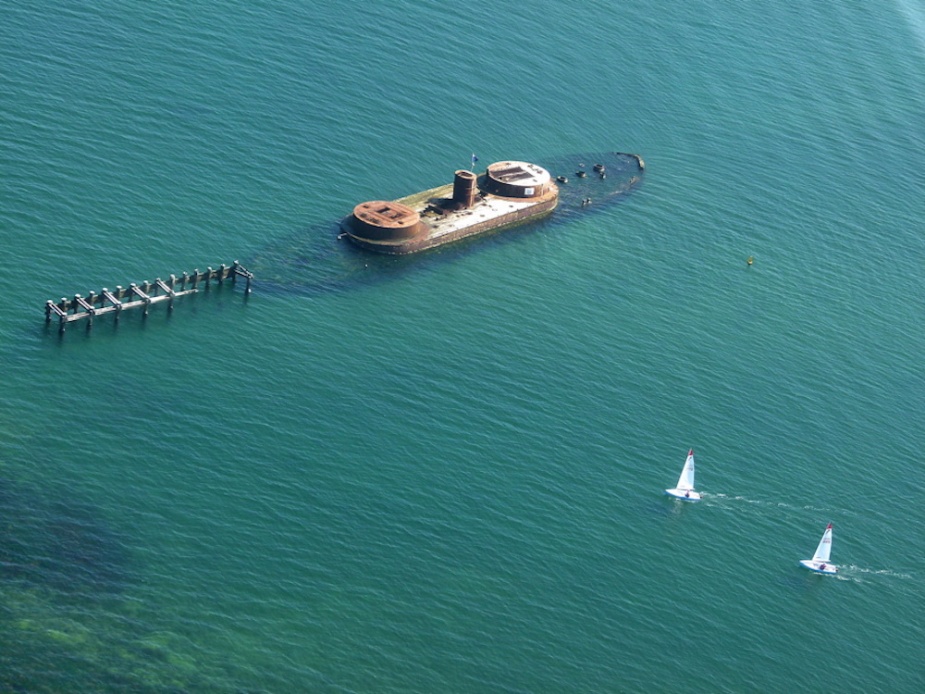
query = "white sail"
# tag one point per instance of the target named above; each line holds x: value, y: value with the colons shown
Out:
x: 686, y: 480
x: 824, y: 550
x: 685, y: 489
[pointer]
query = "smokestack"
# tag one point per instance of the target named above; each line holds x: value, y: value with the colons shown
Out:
x: 464, y: 187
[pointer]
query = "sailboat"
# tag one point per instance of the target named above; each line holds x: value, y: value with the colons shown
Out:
x: 685, y: 489
x: 820, y: 561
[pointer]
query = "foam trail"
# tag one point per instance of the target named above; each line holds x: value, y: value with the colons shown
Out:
x: 727, y: 498
x: 859, y: 573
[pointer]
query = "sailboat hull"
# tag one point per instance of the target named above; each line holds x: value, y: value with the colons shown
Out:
x: 684, y: 494
x: 819, y: 567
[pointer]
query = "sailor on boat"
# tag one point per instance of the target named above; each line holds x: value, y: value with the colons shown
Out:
x: 685, y: 489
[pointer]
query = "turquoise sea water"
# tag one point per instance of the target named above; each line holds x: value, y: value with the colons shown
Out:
x: 445, y: 474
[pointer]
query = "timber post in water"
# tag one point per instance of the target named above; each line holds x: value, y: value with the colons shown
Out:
x: 140, y: 295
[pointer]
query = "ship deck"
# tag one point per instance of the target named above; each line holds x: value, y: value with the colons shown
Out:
x: 485, y: 209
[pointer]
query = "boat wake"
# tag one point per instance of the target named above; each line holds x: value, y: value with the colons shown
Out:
x: 860, y: 574
x: 729, y: 500
x: 719, y: 499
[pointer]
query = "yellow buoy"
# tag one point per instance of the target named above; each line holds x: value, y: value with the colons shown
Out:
x: 751, y: 259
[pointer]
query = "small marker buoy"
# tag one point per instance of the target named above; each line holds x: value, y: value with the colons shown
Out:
x: 751, y: 259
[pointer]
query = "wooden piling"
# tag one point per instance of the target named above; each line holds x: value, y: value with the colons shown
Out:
x: 141, y: 295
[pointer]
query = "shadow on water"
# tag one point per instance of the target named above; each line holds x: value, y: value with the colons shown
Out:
x: 315, y: 260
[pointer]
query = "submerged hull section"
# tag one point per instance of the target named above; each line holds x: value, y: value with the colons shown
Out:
x: 587, y: 189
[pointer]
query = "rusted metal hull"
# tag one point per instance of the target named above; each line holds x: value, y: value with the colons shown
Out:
x: 509, y: 193
x: 322, y: 258
x: 541, y: 208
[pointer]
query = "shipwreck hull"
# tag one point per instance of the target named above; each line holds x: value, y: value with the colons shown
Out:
x: 319, y: 259
x: 541, y: 209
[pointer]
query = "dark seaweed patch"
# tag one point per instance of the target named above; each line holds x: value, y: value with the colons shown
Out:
x: 62, y: 545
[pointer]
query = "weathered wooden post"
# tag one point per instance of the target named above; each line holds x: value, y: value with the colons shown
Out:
x: 80, y: 302
x: 91, y: 307
x: 110, y: 297
x: 52, y: 307
x: 170, y: 285
x: 141, y: 295
x: 120, y: 294
x: 168, y: 291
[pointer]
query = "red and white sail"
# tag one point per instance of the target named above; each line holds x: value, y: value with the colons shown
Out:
x: 824, y: 550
